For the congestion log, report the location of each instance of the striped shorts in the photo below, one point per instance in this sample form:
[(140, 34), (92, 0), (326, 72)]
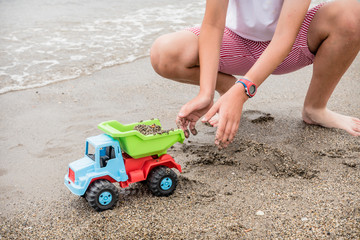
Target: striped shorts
[(238, 54)]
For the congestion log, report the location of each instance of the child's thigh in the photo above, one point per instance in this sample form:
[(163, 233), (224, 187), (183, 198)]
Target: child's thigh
[(300, 55), (237, 54)]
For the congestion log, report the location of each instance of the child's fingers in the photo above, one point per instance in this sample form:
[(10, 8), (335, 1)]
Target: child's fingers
[(177, 121), (186, 130), (220, 131), (233, 132), (226, 134), (186, 133), (227, 130), (231, 136), (212, 111), (192, 128), (182, 124)]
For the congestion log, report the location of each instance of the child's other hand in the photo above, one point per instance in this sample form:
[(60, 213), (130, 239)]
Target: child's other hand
[(191, 112), (229, 108)]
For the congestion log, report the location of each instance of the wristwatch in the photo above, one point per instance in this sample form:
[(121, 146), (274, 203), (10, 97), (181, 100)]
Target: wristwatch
[(250, 87)]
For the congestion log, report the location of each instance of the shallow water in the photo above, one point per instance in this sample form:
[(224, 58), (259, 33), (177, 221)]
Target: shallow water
[(45, 41)]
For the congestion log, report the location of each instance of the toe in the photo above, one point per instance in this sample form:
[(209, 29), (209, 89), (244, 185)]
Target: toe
[(356, 120)]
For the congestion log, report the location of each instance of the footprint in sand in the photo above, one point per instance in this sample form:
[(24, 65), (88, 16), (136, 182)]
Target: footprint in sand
[(256, 116)]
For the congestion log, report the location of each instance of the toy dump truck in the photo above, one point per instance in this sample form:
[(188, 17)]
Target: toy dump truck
[(126, 156)]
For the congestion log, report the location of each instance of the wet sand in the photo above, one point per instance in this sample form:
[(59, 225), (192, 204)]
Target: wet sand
[(280, 179)]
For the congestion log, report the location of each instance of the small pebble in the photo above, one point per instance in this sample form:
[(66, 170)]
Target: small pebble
[(260, 213), (304, 219)]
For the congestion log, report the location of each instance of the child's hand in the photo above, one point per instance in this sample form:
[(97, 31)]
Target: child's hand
[(229, 107), (191, 112)]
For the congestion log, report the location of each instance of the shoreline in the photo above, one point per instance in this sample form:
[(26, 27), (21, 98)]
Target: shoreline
[(304, 179), (40, 85)]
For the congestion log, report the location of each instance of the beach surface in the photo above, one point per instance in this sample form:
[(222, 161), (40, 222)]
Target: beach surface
[(280, 179)]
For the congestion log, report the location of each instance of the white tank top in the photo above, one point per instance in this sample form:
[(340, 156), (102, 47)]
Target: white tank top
[(253, 19)]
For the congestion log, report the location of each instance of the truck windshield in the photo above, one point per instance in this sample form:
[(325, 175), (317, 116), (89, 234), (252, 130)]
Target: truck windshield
[(90, 151)]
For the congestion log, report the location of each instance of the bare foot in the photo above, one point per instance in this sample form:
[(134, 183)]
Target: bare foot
[(330, 119)]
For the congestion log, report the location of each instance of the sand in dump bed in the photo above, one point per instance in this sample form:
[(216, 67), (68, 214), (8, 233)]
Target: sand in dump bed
[(151, 129), (279, 179)]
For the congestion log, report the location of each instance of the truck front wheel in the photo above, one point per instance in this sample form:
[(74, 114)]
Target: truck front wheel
[(162, 181), (102, 195)]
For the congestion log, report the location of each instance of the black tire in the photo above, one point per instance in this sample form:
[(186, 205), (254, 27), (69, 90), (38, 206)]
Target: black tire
[(162, 181), (102, 195)]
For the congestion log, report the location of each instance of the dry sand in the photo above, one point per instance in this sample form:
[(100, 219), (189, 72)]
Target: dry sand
[(280, 179)]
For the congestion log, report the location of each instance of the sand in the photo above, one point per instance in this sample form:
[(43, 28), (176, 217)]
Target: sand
[(280, 179)]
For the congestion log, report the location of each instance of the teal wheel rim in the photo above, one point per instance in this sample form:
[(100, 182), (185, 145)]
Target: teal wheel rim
[(105, 198), (166, 183)]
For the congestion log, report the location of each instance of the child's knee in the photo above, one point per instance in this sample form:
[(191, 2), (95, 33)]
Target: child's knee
[(160, 54), (155, 53), (350, 26), (172, 52), (347, 19)]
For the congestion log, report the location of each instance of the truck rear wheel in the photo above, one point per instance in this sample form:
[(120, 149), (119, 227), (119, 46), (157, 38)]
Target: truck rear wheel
[(102, 195), (162, 181)]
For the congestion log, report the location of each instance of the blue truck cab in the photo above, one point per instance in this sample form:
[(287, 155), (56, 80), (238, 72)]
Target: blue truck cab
[(103, 157)]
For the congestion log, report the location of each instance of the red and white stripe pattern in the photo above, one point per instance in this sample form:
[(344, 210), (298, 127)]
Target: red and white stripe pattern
[(238, 54)]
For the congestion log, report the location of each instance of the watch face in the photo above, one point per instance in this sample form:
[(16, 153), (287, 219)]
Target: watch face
[(252, 89)]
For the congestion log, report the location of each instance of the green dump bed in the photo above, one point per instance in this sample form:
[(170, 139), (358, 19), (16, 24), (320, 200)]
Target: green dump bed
[(138, 145)]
